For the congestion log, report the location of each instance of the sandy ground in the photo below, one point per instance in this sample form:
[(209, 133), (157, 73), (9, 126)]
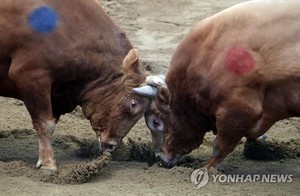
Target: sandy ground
[(155, 28)]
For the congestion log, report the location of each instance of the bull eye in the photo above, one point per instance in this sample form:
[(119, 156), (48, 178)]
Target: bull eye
[(156, 123), (133, 103)]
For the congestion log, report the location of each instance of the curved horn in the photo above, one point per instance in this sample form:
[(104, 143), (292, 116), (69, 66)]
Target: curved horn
[(156, 81), (147, 91)]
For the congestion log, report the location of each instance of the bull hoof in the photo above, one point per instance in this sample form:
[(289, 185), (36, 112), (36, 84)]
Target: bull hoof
[(49, 165), (263, 137), (215, 171), (49, 168), (126, 142)]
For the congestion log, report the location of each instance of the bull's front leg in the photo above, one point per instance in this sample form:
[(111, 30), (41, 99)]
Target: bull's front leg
[(223, 145), (39, 107), (34, 86), (45, 129), (233, 122)]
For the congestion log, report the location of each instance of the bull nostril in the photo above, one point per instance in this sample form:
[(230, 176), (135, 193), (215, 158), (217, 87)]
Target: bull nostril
[(111, 147), (108, 146), (157, 156), (165, 164)]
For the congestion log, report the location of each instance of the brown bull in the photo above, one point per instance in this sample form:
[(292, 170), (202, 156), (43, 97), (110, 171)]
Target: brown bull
[(235, 73), (55, 55)]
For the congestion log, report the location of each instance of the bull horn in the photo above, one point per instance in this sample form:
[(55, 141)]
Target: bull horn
[(147, 91), (156, 81)]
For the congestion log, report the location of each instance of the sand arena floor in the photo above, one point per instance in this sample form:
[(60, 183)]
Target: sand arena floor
[(154, 28)]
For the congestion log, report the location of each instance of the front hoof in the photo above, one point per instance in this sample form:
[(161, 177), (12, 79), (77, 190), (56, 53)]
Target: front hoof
[(39, 163), (126, 142), (215, 171), (47, 165)]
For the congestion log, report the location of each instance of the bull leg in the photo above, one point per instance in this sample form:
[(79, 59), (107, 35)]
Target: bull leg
[(43, 121), (45, 130), (233, 122), (229, 136), (261, 127), (223, 145), (46, 156), (44, 124), (35, 90)]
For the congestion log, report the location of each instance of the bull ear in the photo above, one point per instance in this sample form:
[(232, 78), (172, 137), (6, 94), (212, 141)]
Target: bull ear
[(163, 96), (135, 74), (130, 62), (163, 100)]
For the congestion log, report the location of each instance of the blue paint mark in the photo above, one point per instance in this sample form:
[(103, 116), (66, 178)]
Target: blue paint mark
[(43, 19)]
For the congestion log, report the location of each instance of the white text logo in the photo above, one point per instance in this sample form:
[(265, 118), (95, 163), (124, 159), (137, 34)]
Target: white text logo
[(200, 177)]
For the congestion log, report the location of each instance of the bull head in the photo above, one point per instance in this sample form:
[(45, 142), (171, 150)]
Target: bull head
[(160, 121), (111, 105)]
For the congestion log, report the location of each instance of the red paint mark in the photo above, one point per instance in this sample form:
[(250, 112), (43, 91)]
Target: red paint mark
[(239, 60)]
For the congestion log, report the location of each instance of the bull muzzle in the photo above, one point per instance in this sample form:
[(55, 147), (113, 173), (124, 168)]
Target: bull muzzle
[(106, 146), (166, 160)]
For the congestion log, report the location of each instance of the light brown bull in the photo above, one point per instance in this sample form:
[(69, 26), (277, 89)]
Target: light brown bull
[(56, 54), (235, 73)]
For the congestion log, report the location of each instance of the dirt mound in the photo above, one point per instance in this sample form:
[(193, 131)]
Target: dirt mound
[(134, 151), (78, 158), (271, 149), (75, 173), (19, 150)]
